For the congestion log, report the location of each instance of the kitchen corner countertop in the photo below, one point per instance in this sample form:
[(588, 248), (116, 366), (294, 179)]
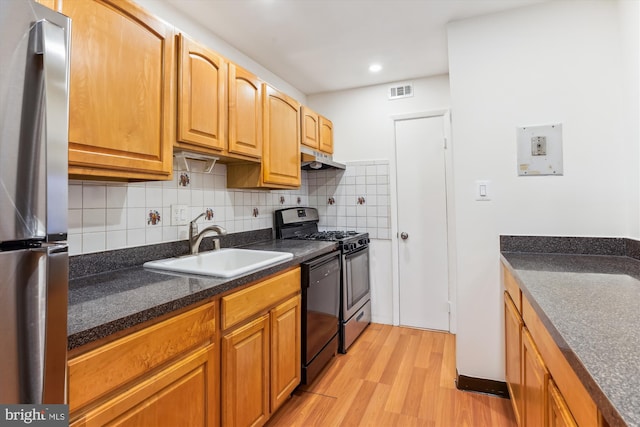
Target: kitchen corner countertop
[(106, 303), (590, 304)]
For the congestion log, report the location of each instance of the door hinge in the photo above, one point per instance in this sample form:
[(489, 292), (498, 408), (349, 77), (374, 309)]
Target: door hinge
[(445, 143), (448, 306)]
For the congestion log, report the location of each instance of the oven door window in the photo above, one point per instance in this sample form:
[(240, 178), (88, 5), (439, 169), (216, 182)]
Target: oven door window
[(356, 276)]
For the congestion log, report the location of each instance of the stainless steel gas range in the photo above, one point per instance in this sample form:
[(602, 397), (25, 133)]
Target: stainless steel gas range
[(355, 289)]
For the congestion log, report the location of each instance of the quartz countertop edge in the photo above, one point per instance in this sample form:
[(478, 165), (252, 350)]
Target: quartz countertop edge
[(103, 304), (607, 407)]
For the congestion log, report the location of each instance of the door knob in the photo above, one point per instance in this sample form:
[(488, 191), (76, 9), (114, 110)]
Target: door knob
[(404, 236)]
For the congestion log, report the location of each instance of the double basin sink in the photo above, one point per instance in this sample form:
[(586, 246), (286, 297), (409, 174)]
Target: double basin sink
[(225, 263)]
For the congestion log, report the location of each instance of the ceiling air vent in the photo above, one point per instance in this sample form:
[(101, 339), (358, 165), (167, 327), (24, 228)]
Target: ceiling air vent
[(404, 90)]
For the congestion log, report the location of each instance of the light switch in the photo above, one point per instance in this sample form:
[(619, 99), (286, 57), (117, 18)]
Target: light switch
[(483, 190)]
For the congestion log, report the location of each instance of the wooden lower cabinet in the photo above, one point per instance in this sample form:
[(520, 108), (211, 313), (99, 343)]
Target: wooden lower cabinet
[(261, 355), (544, 389), (164, 374), (534, 383), (285, 350), (245, 370), (513, 355), (184, 393), (261, 365), (559, 414), (194, 368)]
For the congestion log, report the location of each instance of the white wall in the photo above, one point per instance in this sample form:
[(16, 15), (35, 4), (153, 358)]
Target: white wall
[(629, 12), (548, 63), (362, 123), (204, 36), (364, 130)]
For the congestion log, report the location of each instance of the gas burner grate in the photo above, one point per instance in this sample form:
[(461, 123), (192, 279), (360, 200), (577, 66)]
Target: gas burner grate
[(328, 235)]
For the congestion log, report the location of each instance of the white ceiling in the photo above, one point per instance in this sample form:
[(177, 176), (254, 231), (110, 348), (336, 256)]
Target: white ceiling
[(327, 45)]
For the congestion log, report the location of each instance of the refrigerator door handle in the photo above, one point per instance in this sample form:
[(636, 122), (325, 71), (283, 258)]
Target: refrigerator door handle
[(47, 349), (52, 43)]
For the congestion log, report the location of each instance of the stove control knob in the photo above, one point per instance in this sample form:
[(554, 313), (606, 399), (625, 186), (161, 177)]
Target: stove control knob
[(352, 246)]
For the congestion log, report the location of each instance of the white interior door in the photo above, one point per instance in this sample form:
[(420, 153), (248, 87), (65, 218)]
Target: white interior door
[(422, 223)]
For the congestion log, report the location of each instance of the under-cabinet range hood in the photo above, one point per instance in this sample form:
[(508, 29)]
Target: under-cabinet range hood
[(316, 160)]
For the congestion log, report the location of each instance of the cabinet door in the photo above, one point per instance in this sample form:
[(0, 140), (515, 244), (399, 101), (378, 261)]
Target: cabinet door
[(310, 128), (245, 112), (281, 152), (559, 414), (51, 4), (513, 345), (201, 97), (326, 135), (534, 379), (245, 375), (184, 393), (285, 351), (121, 119)]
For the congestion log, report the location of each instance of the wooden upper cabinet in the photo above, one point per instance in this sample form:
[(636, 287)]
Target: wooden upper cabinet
[(317, 131), (310, 128), (281, 151), (121, 92), (201, 97), (326, 135), (245, 112)]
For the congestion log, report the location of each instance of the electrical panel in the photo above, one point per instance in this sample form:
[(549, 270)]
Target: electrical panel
[(540, 150)]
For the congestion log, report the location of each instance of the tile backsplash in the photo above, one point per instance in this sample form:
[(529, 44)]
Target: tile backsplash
[(106, 215)]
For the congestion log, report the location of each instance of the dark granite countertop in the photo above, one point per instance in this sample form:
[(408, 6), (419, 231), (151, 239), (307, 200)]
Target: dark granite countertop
[(108, 302), (590, 306)]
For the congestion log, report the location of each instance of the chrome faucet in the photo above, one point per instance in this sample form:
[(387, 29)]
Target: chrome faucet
[(195, 238)]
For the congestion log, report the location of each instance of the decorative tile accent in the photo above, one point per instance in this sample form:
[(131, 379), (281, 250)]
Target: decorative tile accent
[(183, 179), (153, 218), (208, 214)]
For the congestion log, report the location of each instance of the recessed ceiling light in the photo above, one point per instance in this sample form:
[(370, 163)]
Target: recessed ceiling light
[(374, 68)]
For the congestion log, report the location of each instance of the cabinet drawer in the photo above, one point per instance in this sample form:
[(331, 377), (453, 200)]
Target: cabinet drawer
[(182, 394), (243, 304), (580, 403), (103, 369), (511, 286)]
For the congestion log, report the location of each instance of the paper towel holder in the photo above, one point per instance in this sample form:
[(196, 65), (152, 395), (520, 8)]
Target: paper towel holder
[(183, 158)]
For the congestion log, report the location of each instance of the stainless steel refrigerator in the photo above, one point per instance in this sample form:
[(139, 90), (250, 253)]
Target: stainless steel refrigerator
[(34, 117)]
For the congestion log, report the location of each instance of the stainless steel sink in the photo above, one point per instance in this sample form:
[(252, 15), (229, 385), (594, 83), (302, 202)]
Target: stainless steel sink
[(229, 262)]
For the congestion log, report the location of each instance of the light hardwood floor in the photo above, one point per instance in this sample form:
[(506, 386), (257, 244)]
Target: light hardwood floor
[(393, 376)]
